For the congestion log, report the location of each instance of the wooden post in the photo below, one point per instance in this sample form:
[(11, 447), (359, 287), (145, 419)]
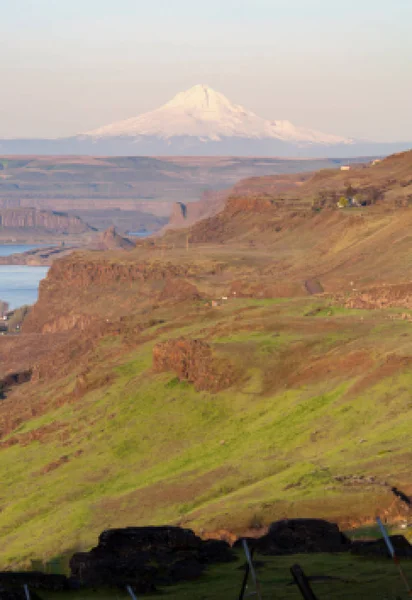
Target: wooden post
[(252, 571), (246, 576), (131, 592), (392, 552), (303, 583)]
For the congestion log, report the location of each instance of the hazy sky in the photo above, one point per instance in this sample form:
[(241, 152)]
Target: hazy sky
[(343, 67)]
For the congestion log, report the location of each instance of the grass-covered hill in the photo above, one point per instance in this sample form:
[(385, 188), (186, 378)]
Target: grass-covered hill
[(269, 403)]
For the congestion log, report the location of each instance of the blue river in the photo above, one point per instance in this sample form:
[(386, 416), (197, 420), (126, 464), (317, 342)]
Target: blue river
[(19, 284)]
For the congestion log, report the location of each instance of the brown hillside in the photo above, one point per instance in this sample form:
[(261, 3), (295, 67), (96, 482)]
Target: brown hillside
[(218, 376), (211, 203), (301, 234)]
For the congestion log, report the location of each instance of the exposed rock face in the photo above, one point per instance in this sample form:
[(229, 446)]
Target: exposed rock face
[(13, 379), (111, 240), (193, 361), (31, 218), (178, 216), (156, 280), (256, 204), (384, 296), (83, 273), (298, 536), (313, 286), (187, 214), (377, 548), (144, 557), (179, 290), (37, 256), (241, 215)]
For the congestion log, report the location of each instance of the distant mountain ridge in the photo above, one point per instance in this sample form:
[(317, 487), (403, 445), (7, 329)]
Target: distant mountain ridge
[(203, 122)]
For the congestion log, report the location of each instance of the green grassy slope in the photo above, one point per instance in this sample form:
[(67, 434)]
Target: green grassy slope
[(317, 398)]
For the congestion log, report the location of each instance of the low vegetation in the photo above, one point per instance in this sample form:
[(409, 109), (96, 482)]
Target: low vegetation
[(337, 577), (316, 400), (316, 422)]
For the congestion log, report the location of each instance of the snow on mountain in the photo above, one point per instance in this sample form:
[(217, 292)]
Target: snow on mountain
[(203, 113)]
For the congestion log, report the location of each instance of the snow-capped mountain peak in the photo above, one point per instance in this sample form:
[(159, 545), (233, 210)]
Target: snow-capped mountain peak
[(200, 97), (201, 112)]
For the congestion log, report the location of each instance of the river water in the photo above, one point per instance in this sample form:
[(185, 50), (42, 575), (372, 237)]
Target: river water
[(19, 284)]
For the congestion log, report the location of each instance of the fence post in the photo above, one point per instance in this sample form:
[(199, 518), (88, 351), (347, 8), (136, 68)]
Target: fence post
[(246, 577), (303, 583), (252, 571), (131, 592), (392, 552)]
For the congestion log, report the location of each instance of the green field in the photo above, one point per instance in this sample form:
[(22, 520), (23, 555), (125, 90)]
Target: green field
[(315, 399), (350, 578)]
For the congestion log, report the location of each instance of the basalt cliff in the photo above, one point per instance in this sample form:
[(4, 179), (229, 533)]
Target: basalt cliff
[(41, 220)]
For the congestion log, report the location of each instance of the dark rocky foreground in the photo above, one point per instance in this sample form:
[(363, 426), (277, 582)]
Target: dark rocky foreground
[(12, 585), (377, 548), (144, 557), (147, 557), (299, 536)]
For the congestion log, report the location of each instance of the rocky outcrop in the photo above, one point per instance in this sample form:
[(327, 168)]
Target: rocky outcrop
[(193, 361), (187, 214), (385, 296), (34, 219), (12, 379), (179, 290), (38, 256), (144, 557), (111, 240), (299, 536), (81, 272), (243, 217), (72, 277), (313, 286), (256, 204), (378, 548), (247, 195)]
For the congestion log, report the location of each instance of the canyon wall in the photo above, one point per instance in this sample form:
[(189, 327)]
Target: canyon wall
[(33, 219), (187, 214)]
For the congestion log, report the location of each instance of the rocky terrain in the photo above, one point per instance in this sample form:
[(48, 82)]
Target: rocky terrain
[(211, 203), (187, 214), (111, 240), (251, 368), (131, 193), (31, 218), (42, 256), (45, 256), (164, 560)]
